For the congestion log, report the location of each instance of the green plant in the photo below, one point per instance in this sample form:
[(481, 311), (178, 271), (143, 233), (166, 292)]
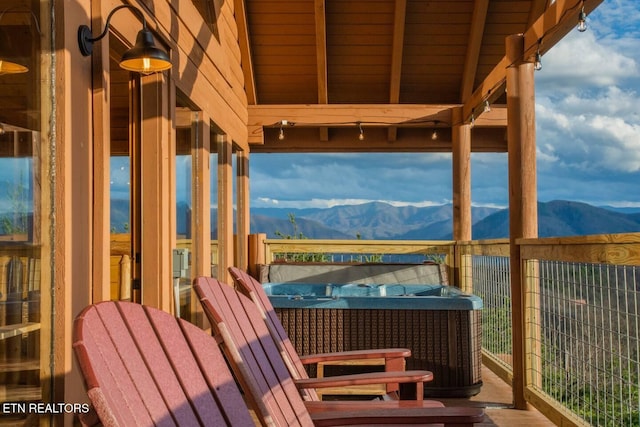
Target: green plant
[(297, 256), (437, 258), (496, 333)]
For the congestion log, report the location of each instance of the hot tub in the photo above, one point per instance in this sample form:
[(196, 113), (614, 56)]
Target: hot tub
[(440, 324)]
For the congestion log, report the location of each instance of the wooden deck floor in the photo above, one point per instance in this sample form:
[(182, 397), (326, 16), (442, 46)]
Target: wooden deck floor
[(495, 397)]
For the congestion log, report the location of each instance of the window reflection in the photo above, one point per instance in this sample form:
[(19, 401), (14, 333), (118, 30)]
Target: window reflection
[(22, 116), (186, 142)]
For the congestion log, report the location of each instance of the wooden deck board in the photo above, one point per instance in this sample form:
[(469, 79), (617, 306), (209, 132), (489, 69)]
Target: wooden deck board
[(495, 396)]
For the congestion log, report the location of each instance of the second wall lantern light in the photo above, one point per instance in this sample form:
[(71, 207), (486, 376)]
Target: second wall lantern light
[(143, 58)]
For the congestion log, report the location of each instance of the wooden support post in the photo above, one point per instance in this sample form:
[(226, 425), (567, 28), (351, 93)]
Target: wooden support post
[(101, 120), (461, 139), (225, 208), (156, 199), (242, 209), (256, 254), (523, 215), (201, 220)]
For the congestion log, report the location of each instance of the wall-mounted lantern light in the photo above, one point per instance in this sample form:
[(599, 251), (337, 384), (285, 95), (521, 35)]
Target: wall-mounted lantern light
[(10, 67), (143, 58)]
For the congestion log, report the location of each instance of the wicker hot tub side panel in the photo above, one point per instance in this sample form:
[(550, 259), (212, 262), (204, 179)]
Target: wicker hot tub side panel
[(446, 342)]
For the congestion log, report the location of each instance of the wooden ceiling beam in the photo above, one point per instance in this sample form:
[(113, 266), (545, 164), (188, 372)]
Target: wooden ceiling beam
[(321, 58), (371, 116), (301, 140), (344, 115), (396, 58), (245, 51), (478, 22), (537, 8), (559, 18), (321, 50)]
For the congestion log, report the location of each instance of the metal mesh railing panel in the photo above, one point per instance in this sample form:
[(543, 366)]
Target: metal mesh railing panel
[(491, 282), (584, 349)]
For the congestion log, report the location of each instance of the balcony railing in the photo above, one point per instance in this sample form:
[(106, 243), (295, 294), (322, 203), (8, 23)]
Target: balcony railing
[(581, 299)]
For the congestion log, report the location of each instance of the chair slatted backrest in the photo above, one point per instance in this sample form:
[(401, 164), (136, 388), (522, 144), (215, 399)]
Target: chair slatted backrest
[(144, 367), (253, 354), (253, 289)]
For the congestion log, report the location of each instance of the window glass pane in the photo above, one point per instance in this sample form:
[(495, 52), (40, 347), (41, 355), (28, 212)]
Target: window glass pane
[(185, 138), (25, 234)]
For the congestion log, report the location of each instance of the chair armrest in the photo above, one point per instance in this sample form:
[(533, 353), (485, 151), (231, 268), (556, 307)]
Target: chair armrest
[(417, 377), (383, 353), (315, 406)]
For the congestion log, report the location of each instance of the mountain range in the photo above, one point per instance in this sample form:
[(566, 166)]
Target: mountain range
[(377, 220)]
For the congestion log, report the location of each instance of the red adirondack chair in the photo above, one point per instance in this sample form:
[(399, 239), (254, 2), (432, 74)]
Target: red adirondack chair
[(143, 367), (258, 365), (394, 358)]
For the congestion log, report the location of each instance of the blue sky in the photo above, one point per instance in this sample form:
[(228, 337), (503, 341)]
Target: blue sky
[(588, 138)]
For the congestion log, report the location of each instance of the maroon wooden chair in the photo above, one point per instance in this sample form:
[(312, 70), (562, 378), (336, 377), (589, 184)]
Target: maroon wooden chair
[(144, 367), (258, 365), (394, 358)]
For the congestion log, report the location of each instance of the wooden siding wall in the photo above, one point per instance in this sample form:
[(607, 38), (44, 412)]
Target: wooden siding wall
[(206, 69)]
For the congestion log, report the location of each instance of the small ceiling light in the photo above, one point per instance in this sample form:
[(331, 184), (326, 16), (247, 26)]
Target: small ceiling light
[(487, 106), (582, 20), (434, 133), (143, 58), (9, 67), (537, 65), (472, 121), (361, 136), (281, 134)]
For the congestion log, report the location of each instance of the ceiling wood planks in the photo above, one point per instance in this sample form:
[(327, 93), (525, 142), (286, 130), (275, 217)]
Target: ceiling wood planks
[(334, 65)]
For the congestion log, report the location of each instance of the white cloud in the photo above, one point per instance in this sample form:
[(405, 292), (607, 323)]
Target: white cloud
[(328, 203), (605, 55)]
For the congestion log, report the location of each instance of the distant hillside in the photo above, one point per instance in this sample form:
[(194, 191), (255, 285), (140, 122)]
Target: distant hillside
[(377, 220), (627, 210), (383, 221), (562, 218), (309, 228)]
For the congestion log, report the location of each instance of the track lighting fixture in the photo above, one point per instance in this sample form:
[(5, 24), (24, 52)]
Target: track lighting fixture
[(143, 58), (582, 20), (487, 106), (361, 135), (472, 121)]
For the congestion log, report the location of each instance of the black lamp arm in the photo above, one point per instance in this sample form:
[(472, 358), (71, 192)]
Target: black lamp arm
[(84, 32)]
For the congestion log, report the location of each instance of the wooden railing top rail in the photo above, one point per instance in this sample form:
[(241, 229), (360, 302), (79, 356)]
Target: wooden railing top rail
[(598, 251), (493, 247), (357, 246), (484, 242), (583, 240)]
